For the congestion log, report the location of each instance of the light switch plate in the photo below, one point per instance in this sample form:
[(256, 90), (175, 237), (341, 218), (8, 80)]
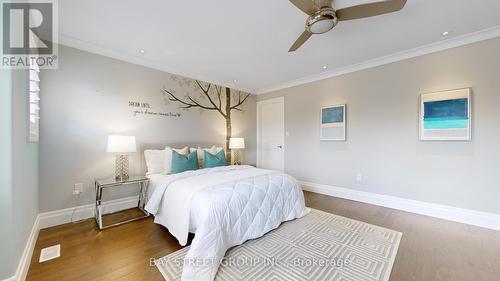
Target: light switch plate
[(50, 253), (78, 188), (359, 177)]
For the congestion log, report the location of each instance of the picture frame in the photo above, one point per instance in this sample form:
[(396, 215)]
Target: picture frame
[(446, 116), (333, 123)]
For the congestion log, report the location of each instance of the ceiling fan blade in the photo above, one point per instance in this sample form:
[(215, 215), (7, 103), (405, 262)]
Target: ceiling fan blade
[(301, 40), (307, 6), (370, 9)]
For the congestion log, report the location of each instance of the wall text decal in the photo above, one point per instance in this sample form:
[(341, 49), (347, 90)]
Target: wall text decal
[(144, 108)]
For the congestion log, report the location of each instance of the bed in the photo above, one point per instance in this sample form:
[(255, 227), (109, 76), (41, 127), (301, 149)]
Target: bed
[(223, 207)]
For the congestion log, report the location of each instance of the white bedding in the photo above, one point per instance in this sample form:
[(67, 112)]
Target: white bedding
[(162, 181), (155, 181), (224, 207)]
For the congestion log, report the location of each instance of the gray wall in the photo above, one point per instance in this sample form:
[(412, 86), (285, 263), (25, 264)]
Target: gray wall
[(382, 131), (25, 166), (19, 171), (6, 263), (86, 100)]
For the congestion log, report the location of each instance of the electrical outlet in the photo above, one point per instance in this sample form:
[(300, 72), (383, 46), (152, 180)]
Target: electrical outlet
[(78, 189), (359, 177)]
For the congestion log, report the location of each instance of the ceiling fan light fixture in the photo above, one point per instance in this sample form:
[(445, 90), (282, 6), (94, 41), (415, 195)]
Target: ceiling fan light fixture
[(323, 21), (321, 26), (322, 16)]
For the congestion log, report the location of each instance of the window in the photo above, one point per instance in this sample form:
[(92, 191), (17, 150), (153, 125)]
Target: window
[(34, 103)]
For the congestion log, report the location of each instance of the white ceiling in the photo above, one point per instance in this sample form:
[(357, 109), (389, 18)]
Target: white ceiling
[(224, 41)]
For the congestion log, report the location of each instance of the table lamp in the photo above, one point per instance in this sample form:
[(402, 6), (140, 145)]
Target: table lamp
[(237, 144), (121, 145)]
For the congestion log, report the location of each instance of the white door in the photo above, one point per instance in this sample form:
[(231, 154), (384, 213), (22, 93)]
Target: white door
[(271, 134)]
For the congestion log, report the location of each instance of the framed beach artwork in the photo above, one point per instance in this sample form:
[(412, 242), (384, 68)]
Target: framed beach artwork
[(333, 123), (446, 116)]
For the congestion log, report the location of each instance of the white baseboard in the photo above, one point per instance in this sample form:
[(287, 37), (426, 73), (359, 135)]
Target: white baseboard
[(482, 219), (58, 217), (53, 218), (24, 262)]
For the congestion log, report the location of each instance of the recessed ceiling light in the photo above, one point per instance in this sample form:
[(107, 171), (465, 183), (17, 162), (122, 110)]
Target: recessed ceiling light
[(445, 33), (325, 67), (142, 51)]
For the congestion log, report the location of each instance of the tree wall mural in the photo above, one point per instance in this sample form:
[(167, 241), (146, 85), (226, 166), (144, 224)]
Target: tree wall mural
[(208, 97)]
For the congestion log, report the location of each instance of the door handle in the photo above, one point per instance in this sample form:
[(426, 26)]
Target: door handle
[(280, 146)]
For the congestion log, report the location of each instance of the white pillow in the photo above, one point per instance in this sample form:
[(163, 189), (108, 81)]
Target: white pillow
[(168, 157), (155, 160), (201, 153)]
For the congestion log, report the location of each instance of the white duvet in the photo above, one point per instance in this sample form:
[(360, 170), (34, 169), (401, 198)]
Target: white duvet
[(224, 207)]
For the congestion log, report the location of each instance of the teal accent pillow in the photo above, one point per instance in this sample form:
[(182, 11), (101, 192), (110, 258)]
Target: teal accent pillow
[(216, 160), (181, 163)]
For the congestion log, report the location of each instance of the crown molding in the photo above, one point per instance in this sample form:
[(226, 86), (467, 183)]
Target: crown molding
[(466, 39), (107, 52)]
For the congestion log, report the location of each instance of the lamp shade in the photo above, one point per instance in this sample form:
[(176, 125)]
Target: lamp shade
[(236, 143), (121, 144)]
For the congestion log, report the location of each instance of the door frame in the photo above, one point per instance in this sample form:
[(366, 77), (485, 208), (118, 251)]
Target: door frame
[(259, 144)]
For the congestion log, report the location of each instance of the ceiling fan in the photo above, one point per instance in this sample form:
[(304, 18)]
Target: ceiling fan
[(323, 17)]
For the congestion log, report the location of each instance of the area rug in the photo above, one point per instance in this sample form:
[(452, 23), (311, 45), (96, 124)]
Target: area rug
[(319, 246)]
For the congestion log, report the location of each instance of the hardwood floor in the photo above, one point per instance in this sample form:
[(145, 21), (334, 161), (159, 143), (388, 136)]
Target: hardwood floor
[(431, 249)]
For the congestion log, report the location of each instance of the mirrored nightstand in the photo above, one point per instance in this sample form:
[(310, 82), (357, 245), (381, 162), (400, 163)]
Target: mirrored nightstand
[(111, 183)]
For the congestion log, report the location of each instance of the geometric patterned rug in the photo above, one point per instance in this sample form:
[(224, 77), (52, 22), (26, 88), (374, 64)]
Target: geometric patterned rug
[(319, 246)]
